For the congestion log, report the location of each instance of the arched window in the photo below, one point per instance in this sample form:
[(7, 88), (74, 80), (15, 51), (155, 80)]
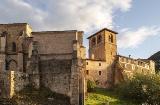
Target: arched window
[(99, 39), (93, 42), (13, 47), (12, 65)]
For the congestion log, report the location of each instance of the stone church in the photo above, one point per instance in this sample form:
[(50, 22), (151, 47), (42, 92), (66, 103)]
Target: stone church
[(57, 60)]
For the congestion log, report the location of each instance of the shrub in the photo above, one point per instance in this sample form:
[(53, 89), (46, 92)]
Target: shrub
[(141, 89), (90, 85)]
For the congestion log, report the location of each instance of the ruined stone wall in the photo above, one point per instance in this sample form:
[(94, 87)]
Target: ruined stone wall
[(5, 84), (55, 42), (20, 80), (97, 71), (56, 74), (13, 33), (11, 82)]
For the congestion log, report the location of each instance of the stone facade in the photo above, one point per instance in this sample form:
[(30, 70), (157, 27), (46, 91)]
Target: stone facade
[(57, 60), (50, 58), (126, 66), (107, 68), (11, 82), (102, 48)]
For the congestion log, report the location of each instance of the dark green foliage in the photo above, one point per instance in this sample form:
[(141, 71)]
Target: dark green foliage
[(90, 85), (141, 89)]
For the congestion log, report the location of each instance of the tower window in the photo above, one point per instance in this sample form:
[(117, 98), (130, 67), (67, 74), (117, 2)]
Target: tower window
[(100, 72), (13, 47), (93, 42), (99, 64), (111, 38), (87, 72), (99, 39)]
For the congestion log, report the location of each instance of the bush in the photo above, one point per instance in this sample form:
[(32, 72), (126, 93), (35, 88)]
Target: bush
[(90, 85), (141, 89)]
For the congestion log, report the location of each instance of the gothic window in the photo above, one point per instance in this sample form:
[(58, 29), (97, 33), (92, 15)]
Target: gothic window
[(12, 65), (93, 42), (13, 47), (99, 39)]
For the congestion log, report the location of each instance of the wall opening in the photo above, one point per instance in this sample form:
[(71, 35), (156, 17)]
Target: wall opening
[(93, 42), (99, 39), (14, 47)]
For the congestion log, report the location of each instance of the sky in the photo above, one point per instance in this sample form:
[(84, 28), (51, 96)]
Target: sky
[(136, 21)]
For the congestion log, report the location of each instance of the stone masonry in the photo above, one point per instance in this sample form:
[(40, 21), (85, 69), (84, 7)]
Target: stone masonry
[(57, 60)]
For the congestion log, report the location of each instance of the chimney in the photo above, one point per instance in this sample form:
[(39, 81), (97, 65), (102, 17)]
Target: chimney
[(129, 56)]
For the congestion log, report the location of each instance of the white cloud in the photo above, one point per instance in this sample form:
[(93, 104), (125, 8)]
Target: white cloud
[(86, 15), (132, 38)]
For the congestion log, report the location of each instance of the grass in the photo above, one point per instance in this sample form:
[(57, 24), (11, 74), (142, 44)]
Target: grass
[(40, 96), (100, 96)]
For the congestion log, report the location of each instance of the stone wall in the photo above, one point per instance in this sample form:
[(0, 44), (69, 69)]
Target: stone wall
[(5, 83), (56, 74), (97, 51), (97, 71), (55, 42), (11, 82), (131, 65)]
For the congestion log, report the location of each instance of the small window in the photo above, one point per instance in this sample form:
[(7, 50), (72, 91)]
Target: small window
[(100, 72), (87, 72), (99, 64), (13, 47), (99, 39), (125, 65), (87, 63), (93, 42), (142, 70), (133, 67), (111, 38)]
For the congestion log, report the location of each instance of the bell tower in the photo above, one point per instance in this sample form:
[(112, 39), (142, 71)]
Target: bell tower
[(103, 45)]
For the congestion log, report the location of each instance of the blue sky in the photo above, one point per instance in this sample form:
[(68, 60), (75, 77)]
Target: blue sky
[(136, 21)]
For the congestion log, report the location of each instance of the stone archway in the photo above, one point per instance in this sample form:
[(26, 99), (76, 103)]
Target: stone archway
[(12, 65)]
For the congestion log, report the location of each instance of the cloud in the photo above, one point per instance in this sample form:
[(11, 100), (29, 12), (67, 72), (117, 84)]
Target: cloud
[(85, 15), (133, 38)]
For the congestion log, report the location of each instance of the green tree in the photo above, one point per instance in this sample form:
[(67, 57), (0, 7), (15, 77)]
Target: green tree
[(141, 88), (90, 85)]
